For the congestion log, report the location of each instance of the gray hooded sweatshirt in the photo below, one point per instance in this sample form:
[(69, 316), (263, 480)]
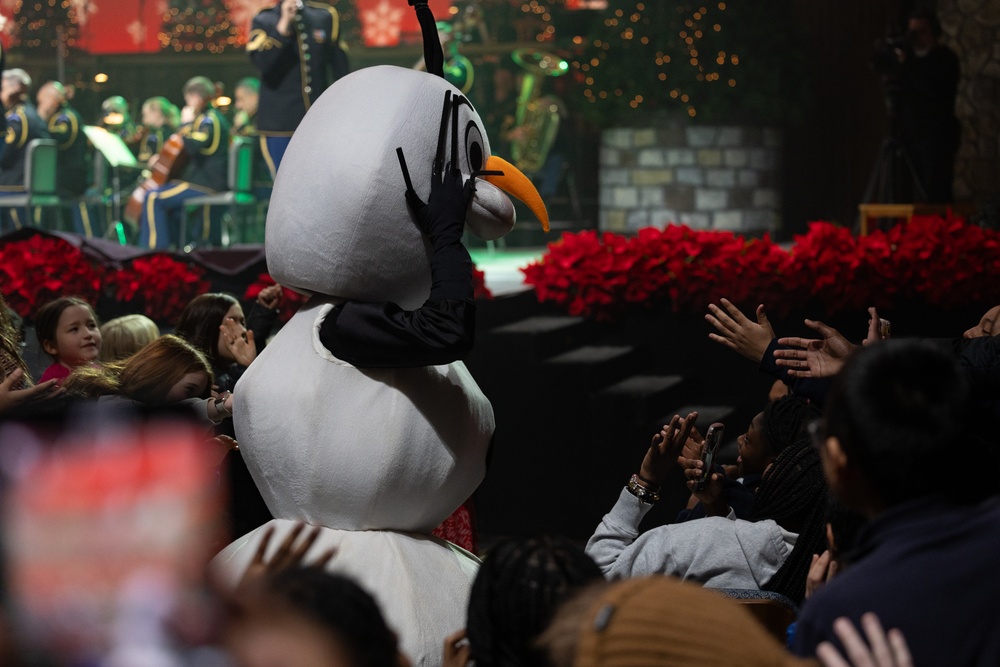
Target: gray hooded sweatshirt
[(717, 552)]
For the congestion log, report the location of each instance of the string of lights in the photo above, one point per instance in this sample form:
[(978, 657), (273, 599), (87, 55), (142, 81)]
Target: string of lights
[(671, 54), (199, 25), (39, 23), (702, 59)]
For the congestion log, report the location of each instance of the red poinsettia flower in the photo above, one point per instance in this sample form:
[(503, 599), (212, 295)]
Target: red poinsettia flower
[(160, 284), (942, 261), (41, 268)]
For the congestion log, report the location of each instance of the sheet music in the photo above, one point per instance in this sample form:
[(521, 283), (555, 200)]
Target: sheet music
[(111, 147)]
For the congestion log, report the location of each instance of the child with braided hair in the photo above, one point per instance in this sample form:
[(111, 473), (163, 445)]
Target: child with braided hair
[(771, 551), (795, 498), (769, 432), (517, 590)]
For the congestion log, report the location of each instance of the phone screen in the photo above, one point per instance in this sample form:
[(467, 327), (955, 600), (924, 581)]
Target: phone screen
[(712, 439)]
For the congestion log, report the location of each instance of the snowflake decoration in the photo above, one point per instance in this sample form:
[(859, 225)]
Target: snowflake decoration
[(83, 9), (5, 25), (137, 30), (382, 24)]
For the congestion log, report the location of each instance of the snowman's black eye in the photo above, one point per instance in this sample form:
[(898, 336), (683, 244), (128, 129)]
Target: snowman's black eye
[(474, 147)]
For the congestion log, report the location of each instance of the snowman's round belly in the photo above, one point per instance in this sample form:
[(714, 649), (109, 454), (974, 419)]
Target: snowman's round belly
[(358, 449), (421, 583)]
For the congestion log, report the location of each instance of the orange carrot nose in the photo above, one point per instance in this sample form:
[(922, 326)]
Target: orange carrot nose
[(516, 184)]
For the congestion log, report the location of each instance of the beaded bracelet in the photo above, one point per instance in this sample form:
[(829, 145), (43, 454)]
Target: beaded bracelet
[(645, 495)]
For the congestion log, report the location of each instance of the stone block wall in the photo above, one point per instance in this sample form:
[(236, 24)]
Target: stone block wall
[(972, 29), (706, 177)]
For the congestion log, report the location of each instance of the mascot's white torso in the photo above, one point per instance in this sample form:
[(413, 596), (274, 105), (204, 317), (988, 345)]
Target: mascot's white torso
[(378, 457)]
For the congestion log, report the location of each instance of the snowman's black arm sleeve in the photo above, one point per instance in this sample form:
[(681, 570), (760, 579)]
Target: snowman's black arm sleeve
[(383, 335)]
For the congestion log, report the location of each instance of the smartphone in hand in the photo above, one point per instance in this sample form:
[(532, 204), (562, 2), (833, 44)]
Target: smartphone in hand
[(712, 439)]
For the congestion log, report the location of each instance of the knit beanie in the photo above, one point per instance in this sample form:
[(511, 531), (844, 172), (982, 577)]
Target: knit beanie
[(660, 621)]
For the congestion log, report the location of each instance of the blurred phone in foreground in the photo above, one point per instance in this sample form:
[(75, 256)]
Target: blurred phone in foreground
[(105, 534), (712, 439)]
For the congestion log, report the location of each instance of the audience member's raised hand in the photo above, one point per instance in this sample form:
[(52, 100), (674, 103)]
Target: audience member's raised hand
[(11, 398), (665, 449), (239, 341), (288, 554), (882, 649), (738, 332), (823, 568), (814, 358), (270, 296), (694, 444), (219, 447), (875, 323), (710, 493), (456, 650)]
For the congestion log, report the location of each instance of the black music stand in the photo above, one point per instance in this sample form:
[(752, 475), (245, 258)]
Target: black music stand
[(117, 155)]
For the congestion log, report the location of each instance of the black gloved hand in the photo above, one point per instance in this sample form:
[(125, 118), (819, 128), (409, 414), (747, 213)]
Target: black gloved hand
[(442, 218)]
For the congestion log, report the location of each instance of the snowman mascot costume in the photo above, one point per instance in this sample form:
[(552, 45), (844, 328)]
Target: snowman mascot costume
[(359, 417)]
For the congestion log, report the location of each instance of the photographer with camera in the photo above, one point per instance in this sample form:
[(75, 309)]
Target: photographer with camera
[(926, 78)]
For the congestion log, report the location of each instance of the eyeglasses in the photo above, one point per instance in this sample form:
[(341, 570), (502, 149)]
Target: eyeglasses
[(817, 432)]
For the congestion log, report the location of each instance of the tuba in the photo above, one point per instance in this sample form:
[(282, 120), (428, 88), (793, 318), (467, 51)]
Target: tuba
[(537, 119)]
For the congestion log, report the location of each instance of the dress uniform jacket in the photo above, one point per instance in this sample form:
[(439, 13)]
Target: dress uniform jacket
[(23, 125), (66, 127), (153, 142), (294, 70), (206, 141)]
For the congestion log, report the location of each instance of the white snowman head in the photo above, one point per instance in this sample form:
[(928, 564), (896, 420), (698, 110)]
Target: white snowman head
[(338, 222)]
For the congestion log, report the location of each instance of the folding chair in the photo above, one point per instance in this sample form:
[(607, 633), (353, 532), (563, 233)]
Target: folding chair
[(40, 186), (240, 183), (772, 610)]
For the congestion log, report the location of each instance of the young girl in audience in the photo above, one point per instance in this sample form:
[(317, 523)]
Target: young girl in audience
[(215, 324), (169, 370), (68, 331), (124, 336)]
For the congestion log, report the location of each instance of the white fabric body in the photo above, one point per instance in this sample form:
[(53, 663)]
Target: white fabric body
[(338, 222), (358, 449), (421, 583), (369, 454)]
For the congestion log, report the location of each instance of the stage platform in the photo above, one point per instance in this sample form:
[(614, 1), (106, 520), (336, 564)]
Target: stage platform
[(503, 268)]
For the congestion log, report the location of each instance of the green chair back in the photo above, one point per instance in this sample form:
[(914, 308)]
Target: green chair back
[(41, 165)]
